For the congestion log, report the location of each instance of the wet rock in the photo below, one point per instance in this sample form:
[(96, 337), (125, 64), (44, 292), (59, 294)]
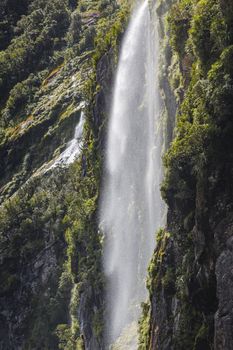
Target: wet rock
[(224, 315)]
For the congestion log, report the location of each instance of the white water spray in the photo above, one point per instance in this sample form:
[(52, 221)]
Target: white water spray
[(132, 208), (74, 147)]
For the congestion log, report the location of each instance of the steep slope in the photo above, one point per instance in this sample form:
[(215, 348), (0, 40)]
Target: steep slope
[(57, 62), (190, 275)]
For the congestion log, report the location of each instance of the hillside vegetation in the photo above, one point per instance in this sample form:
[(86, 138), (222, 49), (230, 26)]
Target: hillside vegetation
[(57, 59), (189, 278)]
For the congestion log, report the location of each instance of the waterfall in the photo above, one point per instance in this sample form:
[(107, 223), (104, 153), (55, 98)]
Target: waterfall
[(131, 205), (74, 147)]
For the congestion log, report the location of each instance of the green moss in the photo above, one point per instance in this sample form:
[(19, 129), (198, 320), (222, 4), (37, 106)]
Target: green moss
[(155, 274), (189, 322), (179, 19), (168, 281), (144, 327), (98, 323), (202, 338), (109, 33), (201, 78), (208, 31)]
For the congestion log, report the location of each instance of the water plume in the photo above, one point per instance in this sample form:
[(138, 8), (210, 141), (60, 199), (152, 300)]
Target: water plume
[(131, 207)]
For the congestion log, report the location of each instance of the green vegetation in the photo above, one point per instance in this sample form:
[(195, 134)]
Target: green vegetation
[(50, 244), (37, 33), (43, 40), (144, 327), (56, 55), (45, 95), (201, 76), (198, 121)]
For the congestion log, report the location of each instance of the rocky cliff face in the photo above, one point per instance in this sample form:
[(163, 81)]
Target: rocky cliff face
[(190, 273), (57, 60)]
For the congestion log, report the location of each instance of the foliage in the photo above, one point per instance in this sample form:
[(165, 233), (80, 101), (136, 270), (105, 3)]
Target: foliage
[(179, 24), (196, 121), (201, 72), (10, 13), (144, 327), (49, 228), (37, 34)]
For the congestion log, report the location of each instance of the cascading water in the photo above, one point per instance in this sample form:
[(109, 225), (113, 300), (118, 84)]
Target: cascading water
[(132, 209), (74, 147)]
